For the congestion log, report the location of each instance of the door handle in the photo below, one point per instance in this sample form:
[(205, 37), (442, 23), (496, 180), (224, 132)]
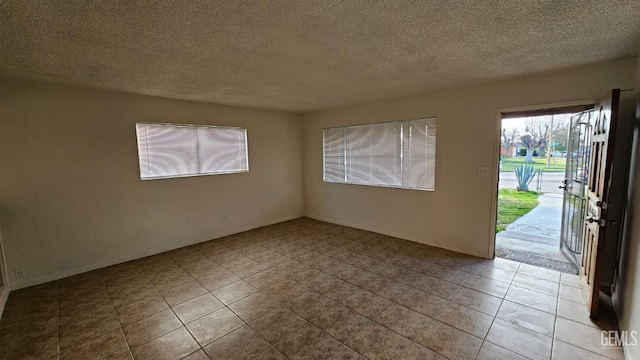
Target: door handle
[(562, 187), (601, 222)]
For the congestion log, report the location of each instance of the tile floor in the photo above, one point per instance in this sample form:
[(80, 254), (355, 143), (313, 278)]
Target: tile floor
[(304, 289)]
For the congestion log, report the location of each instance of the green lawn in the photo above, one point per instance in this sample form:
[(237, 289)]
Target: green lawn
[(513, 204), (539, 163)]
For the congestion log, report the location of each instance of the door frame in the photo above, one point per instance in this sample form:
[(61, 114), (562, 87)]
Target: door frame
[(4, 286), (500, 113)]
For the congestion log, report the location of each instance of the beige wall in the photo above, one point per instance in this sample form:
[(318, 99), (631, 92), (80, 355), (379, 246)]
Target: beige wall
[(627, 295), (71, 198), (459, 214)]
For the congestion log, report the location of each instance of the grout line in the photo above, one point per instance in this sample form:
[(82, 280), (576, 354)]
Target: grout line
[(290, 245), (116, 313)]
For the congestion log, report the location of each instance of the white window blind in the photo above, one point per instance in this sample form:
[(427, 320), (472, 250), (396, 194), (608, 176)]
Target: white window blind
[(394, 154), (168, 150)]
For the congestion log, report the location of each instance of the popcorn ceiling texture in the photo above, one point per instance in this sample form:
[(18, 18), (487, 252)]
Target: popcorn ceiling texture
[(305, 55)]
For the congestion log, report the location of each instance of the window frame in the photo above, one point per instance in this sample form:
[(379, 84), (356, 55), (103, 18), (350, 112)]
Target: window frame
[(402, 123), (175, 125)]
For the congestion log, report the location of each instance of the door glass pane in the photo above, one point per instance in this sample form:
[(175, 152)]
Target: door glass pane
[(575, 193)]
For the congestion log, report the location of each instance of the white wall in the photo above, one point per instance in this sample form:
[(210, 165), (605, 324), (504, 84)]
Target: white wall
[(626, 298), (459, 214), (71, 198)]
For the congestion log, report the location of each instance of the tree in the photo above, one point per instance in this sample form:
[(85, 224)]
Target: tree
[(539, 133), (530, 142), (560, 132), (509, 138), (538, 127)]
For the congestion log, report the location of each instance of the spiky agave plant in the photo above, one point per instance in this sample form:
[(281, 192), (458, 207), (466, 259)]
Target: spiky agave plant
[(524, 174)]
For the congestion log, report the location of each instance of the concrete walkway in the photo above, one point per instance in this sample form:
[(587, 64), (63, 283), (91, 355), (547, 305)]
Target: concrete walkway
[(542, 223), (536, 233)]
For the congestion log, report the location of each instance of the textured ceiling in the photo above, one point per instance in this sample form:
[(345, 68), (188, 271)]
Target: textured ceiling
[(305, 55)]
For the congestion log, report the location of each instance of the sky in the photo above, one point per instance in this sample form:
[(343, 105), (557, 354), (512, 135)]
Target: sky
[(519, 123)]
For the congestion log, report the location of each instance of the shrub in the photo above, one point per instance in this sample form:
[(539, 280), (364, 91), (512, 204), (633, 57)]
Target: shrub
[(524, 174)]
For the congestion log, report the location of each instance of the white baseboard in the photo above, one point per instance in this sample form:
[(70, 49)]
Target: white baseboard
[(398, 235), (155, 251), (80, 270)]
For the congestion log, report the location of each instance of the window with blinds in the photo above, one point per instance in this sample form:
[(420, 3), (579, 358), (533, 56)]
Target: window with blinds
[(393, 154), (171, 150)]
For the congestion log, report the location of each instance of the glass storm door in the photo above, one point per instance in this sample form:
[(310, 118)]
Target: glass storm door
[(575, 186)]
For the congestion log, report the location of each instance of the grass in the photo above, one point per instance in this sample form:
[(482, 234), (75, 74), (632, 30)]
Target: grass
[(513, 204), (539, 163)]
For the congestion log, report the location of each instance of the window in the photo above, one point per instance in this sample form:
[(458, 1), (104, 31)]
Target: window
[(169, 150), (394, 154)]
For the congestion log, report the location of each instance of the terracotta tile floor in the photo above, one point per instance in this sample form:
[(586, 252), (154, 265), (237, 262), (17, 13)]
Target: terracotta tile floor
[(304, 289)]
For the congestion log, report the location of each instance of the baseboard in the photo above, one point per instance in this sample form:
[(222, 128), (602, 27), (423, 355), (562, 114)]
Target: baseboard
[(4, 295), (397, 235), (618, 320), (80, 270)]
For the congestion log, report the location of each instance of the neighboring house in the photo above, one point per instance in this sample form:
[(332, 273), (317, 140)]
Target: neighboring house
[(511, 151)]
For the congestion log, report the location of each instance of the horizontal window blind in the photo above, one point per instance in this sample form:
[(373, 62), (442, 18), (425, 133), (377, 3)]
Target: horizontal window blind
[(394, 154), (166, 150), (334, 155), (373, 155)]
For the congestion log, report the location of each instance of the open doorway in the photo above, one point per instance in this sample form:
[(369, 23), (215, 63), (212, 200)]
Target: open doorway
[(541, 187)]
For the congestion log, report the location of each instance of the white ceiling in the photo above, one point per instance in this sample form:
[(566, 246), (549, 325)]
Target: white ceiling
[(305, 55)]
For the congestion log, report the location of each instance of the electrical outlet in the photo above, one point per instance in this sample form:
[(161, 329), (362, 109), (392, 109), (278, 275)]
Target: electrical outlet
[(374, 213), (19, 273), (483, 171), (225, 216)]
